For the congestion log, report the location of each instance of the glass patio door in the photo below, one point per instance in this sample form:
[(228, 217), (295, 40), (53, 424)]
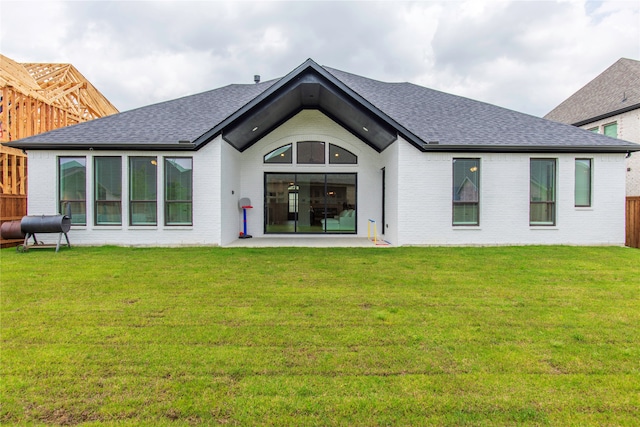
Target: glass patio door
[(310, 203)]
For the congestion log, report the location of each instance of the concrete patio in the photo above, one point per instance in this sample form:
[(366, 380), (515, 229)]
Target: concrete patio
[(307, 241)]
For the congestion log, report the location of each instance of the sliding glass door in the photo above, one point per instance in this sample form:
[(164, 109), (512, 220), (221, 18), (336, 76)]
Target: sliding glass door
[(310, 203)]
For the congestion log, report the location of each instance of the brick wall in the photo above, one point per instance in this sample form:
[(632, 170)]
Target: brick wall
[(425, 208), (418, 193)]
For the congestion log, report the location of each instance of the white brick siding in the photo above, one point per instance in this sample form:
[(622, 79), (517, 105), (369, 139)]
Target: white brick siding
[(418, 193), (43, 200), (425, 208)]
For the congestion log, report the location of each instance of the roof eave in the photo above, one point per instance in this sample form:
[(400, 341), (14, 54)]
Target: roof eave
[(180, 146), (529, 149), (607, 115)]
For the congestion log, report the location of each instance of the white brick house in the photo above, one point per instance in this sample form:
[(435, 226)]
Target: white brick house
[(321, 153)]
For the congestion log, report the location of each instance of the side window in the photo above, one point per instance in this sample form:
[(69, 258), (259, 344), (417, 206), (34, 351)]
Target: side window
[(466, 191), (583, 182), (72, 187), (611, 130), (542, 192), (143, 190), (178, 190), (108, 190)]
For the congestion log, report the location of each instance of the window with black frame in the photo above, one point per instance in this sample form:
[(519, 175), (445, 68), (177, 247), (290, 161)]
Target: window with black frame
[(178, 190), (466, 191), (143, 190), (542, 192), (582, 182), (72, 188), (108, 190)]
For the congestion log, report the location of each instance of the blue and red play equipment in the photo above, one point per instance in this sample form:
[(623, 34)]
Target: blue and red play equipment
[(244, 204)]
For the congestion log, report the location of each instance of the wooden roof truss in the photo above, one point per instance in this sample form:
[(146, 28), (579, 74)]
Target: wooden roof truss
[(39, 97)]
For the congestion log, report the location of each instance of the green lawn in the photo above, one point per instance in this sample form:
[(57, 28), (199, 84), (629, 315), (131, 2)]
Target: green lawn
[(322, 336)]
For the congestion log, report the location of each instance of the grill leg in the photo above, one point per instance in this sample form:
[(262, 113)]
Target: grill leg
[(59, 240)]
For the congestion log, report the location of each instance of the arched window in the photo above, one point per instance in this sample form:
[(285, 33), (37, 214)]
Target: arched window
[(279, 155), (340, 156)]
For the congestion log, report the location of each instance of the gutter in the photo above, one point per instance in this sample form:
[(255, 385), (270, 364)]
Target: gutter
[(181, 146), (437, 148)]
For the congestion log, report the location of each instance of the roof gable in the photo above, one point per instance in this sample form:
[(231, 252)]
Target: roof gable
[(309, 86), (614, 91)]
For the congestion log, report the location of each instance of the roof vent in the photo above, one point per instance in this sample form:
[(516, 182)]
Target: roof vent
[(256, 78), (184, 141), (433, 142)]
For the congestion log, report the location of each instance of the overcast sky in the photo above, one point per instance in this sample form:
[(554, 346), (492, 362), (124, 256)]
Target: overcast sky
[(524, 55)]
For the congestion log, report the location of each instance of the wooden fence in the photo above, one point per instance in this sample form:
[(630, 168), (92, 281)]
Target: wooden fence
[(632, 238), (13, 187), (12, 207)]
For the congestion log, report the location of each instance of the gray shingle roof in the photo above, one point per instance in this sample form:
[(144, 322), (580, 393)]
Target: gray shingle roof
[(457, 121), (615, 90), (418, 113), (165, 123)]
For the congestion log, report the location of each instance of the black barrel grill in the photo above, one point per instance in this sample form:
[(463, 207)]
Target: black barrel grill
[(32, 224)]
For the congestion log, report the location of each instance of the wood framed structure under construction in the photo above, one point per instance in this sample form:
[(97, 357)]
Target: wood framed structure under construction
[(37, 98)]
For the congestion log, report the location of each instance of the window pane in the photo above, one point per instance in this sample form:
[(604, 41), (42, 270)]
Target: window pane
[(310, 197), (583, 182), (108, 213), (178, 190), (542, 180), (143, 213), (281, 200), (108, 190), (280, 155), (542, 214), (143, 179), (311, 152), (72, 189), (341, 198), (466, 191), (611, 130), (338, 155), (465, 214), (542, 192), (179, 213)]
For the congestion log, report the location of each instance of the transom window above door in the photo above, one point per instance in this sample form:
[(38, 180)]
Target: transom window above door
[(311, 153)]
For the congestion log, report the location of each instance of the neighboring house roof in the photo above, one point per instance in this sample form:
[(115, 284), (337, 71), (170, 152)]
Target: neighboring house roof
[(615, 91), (372, 110)]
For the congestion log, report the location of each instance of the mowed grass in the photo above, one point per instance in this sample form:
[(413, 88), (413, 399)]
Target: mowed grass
[(321, 336)]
